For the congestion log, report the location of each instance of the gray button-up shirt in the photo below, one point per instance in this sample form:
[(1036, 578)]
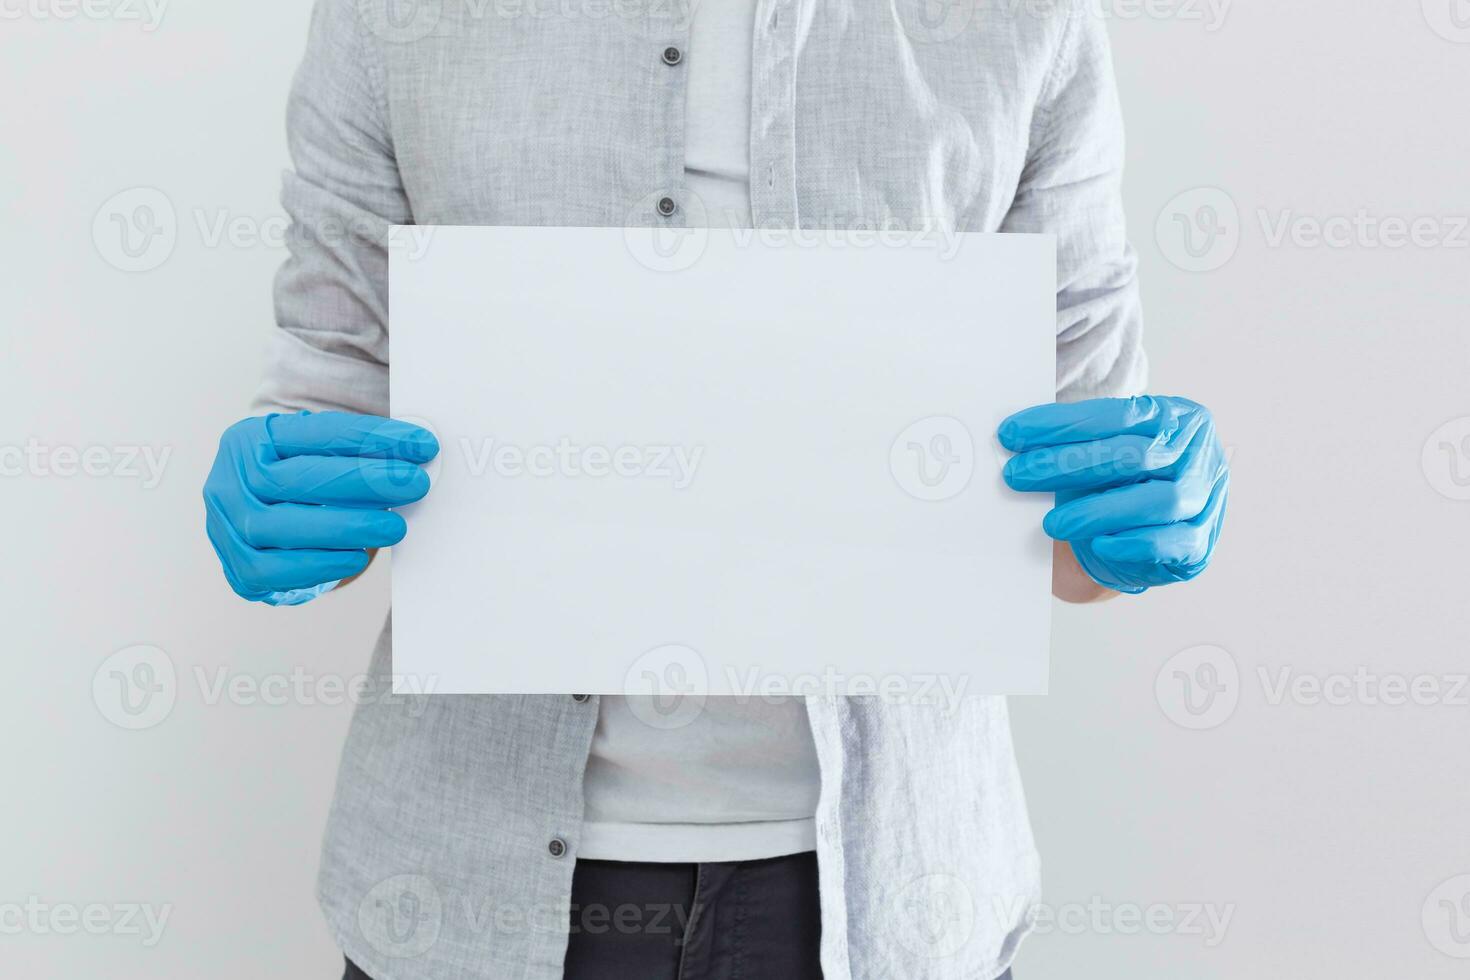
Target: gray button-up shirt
[(453, 836)]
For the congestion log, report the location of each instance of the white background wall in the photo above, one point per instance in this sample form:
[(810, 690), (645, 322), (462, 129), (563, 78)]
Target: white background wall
[(1325, 831)]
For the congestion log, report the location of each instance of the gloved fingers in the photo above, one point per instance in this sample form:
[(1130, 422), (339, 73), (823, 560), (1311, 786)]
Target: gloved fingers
[(347, 434), (289, 569), (1112, 462), (1146, 504), (256, 573), (1096, 418), (227, 548), (311, 526), (1182, 544), (337, 481), (1185, 546)]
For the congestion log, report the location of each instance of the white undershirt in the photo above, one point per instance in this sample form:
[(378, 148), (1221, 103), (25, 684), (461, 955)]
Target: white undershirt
[(717, 111), (740, 781)]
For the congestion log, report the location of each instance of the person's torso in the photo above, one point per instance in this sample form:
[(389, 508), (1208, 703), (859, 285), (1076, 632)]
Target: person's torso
[(905, 114), (862, 114)]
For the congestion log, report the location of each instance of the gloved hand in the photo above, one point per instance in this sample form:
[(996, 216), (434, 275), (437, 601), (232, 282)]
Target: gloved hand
[(1140, 484), (293, 501)]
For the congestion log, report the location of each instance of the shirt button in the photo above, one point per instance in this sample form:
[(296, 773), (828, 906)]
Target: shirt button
[(557, 847), (666, 206), (672, 56), (581, 698)]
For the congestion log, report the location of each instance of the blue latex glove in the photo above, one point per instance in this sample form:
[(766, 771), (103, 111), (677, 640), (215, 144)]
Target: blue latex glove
[(294, 501), (1140, 484)]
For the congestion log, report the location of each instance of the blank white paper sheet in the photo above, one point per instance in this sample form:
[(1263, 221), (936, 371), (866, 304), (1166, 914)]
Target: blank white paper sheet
[(720, 462)]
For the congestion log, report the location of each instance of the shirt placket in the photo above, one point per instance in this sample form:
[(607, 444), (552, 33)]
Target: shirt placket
[(667, 34), (773, 115), (563, 733)]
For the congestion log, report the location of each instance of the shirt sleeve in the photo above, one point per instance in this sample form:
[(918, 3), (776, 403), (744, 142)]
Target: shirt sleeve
[(1071, 188), (342, 196)]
